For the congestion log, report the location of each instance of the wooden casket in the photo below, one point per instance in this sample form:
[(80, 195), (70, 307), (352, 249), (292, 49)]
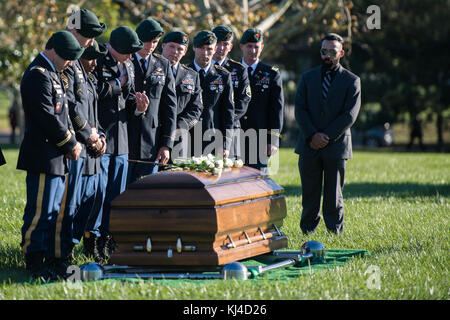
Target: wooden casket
[(188, 218)]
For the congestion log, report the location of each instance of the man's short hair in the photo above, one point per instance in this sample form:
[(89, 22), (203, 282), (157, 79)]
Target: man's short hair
[(332, 37)]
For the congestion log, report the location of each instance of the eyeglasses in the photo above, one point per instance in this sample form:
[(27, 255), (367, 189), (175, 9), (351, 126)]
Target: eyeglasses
[(331, 52)]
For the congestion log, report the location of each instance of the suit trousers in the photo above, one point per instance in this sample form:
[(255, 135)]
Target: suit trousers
[(317, 172)]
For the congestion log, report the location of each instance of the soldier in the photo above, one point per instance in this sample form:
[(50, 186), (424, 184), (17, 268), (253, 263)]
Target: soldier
[(217, 96), (118, 100), (187, 84), (85, 225), (47, 144), (151, 134), (84, 25), (239, 77), (265, 111)]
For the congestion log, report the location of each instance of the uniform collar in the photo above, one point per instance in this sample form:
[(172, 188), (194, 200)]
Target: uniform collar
[(254, 65), (198, 68), (49, 62)]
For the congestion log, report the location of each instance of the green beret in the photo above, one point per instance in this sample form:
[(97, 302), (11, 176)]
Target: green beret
[(177, 37), (125, 41), (204, 37), (223, 33), (251, 35), (66, 45), (149, 30), (87, 24), (95, 51)]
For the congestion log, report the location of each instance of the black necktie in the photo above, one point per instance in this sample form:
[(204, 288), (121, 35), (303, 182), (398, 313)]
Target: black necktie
[(202, 74), (144, 69), (250, 69), (326, 84)]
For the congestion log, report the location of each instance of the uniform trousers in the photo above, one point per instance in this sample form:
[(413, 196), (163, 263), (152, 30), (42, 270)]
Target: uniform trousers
[(45, 196), (317, 171), (85, 219), (113, 180), (136, 170)]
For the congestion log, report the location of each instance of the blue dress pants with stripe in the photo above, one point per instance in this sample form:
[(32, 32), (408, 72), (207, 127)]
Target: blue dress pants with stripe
[(113, 181), (45, 194), (81, 221)]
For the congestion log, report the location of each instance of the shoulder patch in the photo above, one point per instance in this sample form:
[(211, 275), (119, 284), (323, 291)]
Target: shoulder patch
[(237, 62), (221, 69), (274, 68), (41, 69)]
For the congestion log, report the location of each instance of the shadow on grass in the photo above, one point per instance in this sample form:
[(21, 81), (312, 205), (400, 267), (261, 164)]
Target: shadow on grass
[(399, 190), (12, 266)]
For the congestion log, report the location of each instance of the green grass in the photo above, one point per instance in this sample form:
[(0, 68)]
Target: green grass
[(396, 206)]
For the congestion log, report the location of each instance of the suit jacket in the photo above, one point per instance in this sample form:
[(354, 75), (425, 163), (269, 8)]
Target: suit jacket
[(333, 117), (115, 103), (241, 88), (48, 135), (189, 97), (218, 105), (154, 129), (265, 110)]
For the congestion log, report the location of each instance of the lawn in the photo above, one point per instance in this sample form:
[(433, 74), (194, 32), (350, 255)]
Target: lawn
[(396, 206)]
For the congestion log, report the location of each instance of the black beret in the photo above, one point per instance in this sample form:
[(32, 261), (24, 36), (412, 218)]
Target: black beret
[(96, 51), (251, 35), (66, 45), (125, 41), (149, 30), (223, 33), (87, 24), (204, 37), (177, 37)]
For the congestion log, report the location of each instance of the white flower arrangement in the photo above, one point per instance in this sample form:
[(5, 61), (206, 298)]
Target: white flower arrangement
[(207, 163)]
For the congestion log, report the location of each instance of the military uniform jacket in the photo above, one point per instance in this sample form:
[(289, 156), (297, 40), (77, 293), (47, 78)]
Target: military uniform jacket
[(189, 99), (115, 104), (48, 134), (334, 116), (155, 128), (241, 88), (82, 97), (265, 110), (218, 105)]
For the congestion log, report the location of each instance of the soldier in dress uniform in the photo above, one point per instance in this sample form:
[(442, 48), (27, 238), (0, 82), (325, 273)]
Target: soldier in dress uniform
[(188, 89), (151, 134), (84, 25), (265, 111), (118, 100), (217, 96), (48, 143), (239, 77), (85, 224)]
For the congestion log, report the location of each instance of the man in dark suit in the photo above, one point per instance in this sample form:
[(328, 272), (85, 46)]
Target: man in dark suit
[(118, 100), (265, 111), (188, 89), (47, 144), (151, 134), (217, 118), (326, 106), (239, 77)]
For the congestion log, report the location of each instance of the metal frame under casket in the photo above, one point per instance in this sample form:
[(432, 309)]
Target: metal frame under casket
[(188, 218)]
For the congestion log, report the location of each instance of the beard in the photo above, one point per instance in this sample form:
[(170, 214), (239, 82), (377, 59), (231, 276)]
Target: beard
[(327, 64)]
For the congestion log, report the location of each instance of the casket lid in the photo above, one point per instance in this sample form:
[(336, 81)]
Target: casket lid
[(194, 179)]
